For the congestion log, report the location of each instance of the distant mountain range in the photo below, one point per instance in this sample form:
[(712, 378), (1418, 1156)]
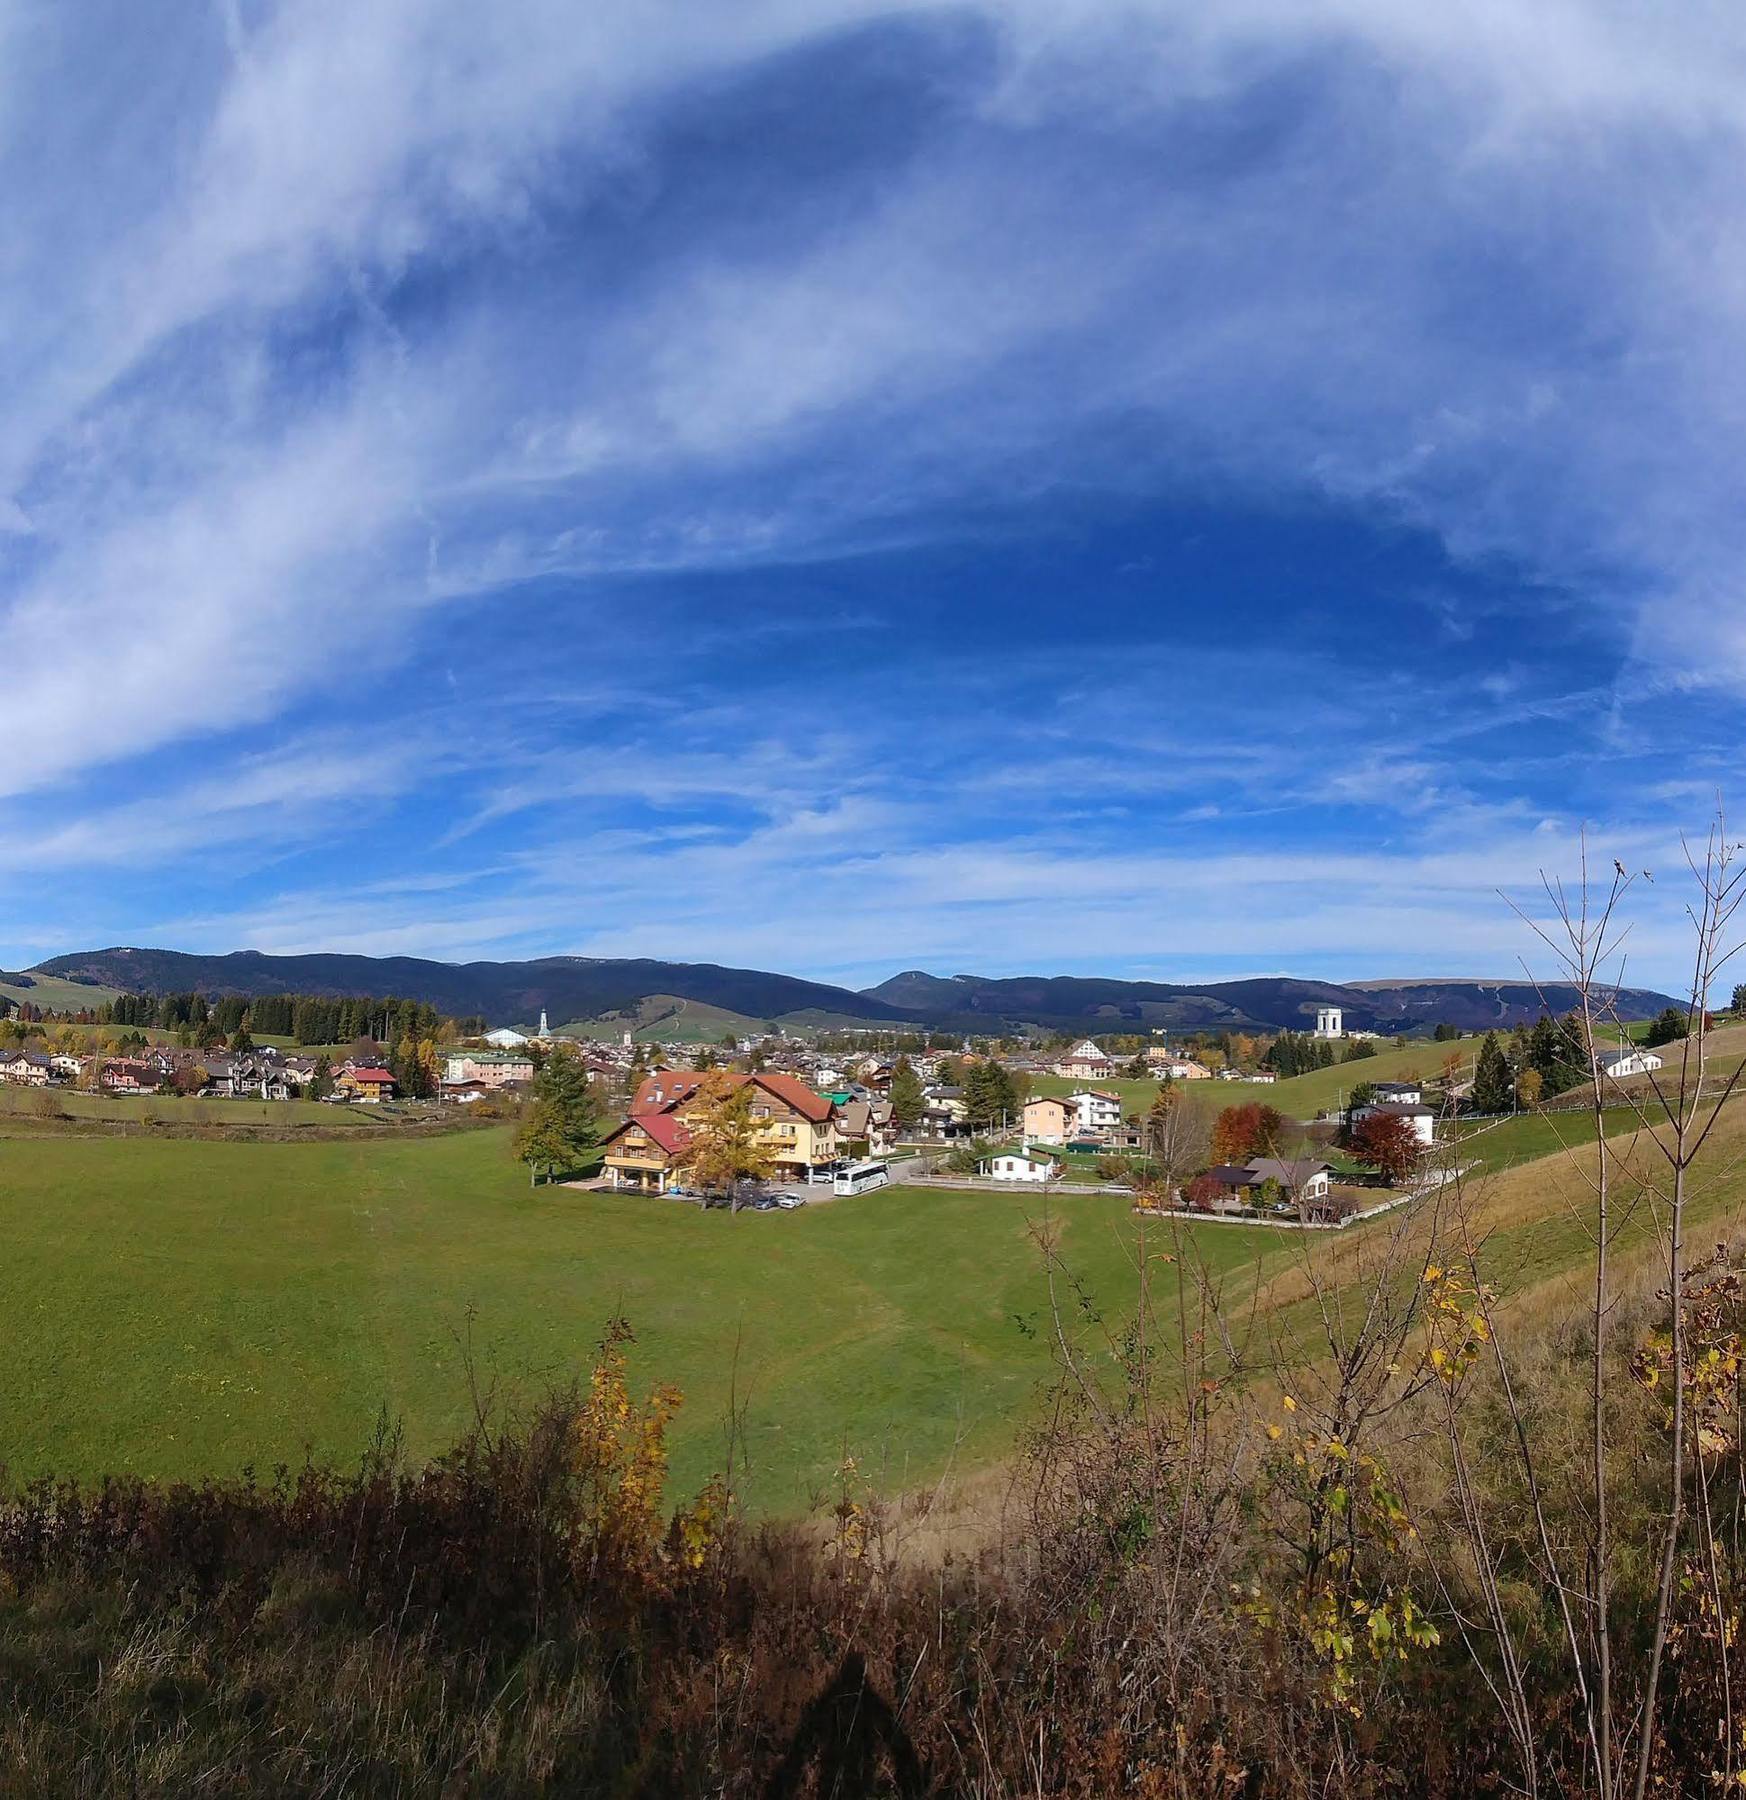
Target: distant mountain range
[(1273, 1002), (570, 989), (575, 990)]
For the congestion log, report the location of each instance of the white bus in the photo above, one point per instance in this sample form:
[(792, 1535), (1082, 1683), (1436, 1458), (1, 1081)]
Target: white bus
[(857, 1178)]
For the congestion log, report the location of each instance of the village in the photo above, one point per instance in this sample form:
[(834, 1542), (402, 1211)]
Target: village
[(1120, 1114)]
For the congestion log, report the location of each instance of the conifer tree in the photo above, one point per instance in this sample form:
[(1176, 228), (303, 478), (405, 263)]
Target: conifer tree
[(1493, 1089), (908, 1103)]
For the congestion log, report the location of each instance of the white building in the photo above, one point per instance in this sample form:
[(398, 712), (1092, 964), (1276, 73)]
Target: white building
[(1328, 1022), (1084, 1062), (1096, 1111), (1019, 1165), (490, 1068), (1622, 1064), (1423, 1119), (1397, 1093), (505, 1039)]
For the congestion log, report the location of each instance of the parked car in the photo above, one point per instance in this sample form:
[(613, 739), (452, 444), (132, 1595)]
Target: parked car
[(788, 1202)]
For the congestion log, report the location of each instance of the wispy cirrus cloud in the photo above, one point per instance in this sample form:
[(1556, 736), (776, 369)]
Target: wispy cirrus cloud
[(345, 344)]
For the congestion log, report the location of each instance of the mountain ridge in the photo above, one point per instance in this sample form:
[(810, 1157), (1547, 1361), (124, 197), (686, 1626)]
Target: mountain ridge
[(1392, 1004), (502, 992), (573, 988)]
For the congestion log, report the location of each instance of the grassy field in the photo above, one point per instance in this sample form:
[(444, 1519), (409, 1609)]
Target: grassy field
[(1531, 1136), (20, 1112), (667, 1019), (55, 995), (180, 1306)]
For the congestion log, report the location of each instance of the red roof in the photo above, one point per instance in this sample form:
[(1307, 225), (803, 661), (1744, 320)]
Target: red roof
[(665, 1090), (663, 1128), (798, 1095), (371, 1075)]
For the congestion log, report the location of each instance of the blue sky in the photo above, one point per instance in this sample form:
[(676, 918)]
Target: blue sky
[(1079, 487)]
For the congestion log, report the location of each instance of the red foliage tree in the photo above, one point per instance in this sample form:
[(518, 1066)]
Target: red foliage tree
[(1201, 1192), (1240, 1132), (1389, 1144)]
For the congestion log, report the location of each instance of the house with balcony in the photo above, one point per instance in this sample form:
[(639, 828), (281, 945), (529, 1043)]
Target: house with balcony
[(363, 1083), (246, 1077), (867, 1121), (800, 1128), (1096, 1111), (646, 1153), (26, 1068)]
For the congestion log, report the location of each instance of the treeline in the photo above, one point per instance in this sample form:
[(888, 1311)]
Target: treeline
[(304, 1018), (1297, 1053), (1534, 1063)]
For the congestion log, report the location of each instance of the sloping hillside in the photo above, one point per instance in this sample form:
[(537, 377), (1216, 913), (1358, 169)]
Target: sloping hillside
[(53, 992), (668, 1018)]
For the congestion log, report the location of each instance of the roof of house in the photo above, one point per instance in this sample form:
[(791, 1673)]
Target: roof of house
[(138, 1076), (664, 1090), (661, 1127), (371, 1075), (1292, 1173), (1048, 1100), (1233, 1175), (1027, 1156), (1392, 1109)]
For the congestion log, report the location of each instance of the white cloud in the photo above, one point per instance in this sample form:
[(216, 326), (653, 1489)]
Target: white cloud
[(1483, 269)]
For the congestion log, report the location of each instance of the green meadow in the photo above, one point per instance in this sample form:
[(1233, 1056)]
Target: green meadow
[(1300, 1097), (183, 1306)]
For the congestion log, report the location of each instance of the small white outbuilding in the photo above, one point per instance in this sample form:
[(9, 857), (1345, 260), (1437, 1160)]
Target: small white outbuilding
[(1019, 1165)]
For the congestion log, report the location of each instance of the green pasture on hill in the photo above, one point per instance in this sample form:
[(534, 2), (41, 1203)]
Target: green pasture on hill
[(55, 995), (176, 1307), (1300, 1097)]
